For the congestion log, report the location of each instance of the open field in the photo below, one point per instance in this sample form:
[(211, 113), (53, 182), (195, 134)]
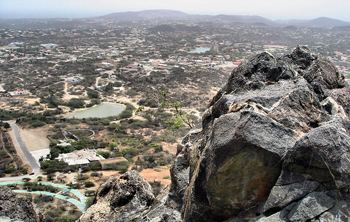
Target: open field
[(36, 139)]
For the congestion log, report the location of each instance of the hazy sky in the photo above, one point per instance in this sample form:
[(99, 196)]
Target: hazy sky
[(275, 9)]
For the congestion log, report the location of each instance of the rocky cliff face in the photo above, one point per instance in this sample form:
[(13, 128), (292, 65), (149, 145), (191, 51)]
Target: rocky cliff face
[(274, 146), (14, 208)]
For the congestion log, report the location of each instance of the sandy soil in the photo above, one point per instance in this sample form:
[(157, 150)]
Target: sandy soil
[(110, 173), (157, 174), (36, 139), (67, 96), (32, 101), (170, 147)]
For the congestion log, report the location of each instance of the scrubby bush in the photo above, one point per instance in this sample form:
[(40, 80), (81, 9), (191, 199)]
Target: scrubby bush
[(76, 103), (52, 166), (89, 184), (92, 94), (104, 154)]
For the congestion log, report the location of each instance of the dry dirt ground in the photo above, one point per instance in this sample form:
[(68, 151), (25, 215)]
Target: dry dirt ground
[(161, 174), (170, 147), (36, 139)]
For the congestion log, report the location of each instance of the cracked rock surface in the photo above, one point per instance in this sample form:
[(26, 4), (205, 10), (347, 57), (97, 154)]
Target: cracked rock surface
[(274, 144)]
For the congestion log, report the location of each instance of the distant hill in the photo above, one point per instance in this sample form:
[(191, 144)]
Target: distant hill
[(173, 15), (146, 15), (178, 15), (248, 19), (322, 22)]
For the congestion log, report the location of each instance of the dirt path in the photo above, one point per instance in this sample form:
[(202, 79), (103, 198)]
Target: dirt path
[(66, 95), (97, 81)]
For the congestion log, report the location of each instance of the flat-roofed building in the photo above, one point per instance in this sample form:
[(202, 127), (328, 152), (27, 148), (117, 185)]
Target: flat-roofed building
[(80, 157)]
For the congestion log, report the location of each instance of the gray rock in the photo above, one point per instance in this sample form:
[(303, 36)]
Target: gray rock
[(311, 206), (179, 178), (160, 211), (322, 72), (121, 199), (250, 135), (324, 155), (343, 98), (277, 217), (302, 57), (16, 208), (303, 110), (282, 196), (244, 155), (339, 213)]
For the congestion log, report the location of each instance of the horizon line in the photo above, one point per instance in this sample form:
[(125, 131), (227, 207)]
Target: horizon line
[(174, 10)]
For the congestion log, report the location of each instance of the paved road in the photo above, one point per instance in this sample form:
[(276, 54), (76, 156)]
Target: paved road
[(18, 143), (30, 159)]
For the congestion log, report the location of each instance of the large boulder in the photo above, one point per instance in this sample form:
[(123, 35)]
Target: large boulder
[(274, 144), (130, 198), (122, 198), (15, 208)]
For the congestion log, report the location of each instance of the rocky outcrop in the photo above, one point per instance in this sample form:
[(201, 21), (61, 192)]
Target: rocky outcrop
[(274, 146), (15, 208), (130, 198), (122, 198)]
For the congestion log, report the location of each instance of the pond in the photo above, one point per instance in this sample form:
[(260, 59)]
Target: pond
[(102, 110), (200, 50)]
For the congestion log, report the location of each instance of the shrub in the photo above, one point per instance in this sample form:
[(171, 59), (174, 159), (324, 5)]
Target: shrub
[(52, 166), (105, 154), (92, 94), (37, 123), (9, 169), (89, 202), (89, 184), (76, 103), (128, 112), (129, 153), (95, 165)]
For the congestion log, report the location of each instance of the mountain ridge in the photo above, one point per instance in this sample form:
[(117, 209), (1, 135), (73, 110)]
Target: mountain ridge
[(163, 15), (325, 22)]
